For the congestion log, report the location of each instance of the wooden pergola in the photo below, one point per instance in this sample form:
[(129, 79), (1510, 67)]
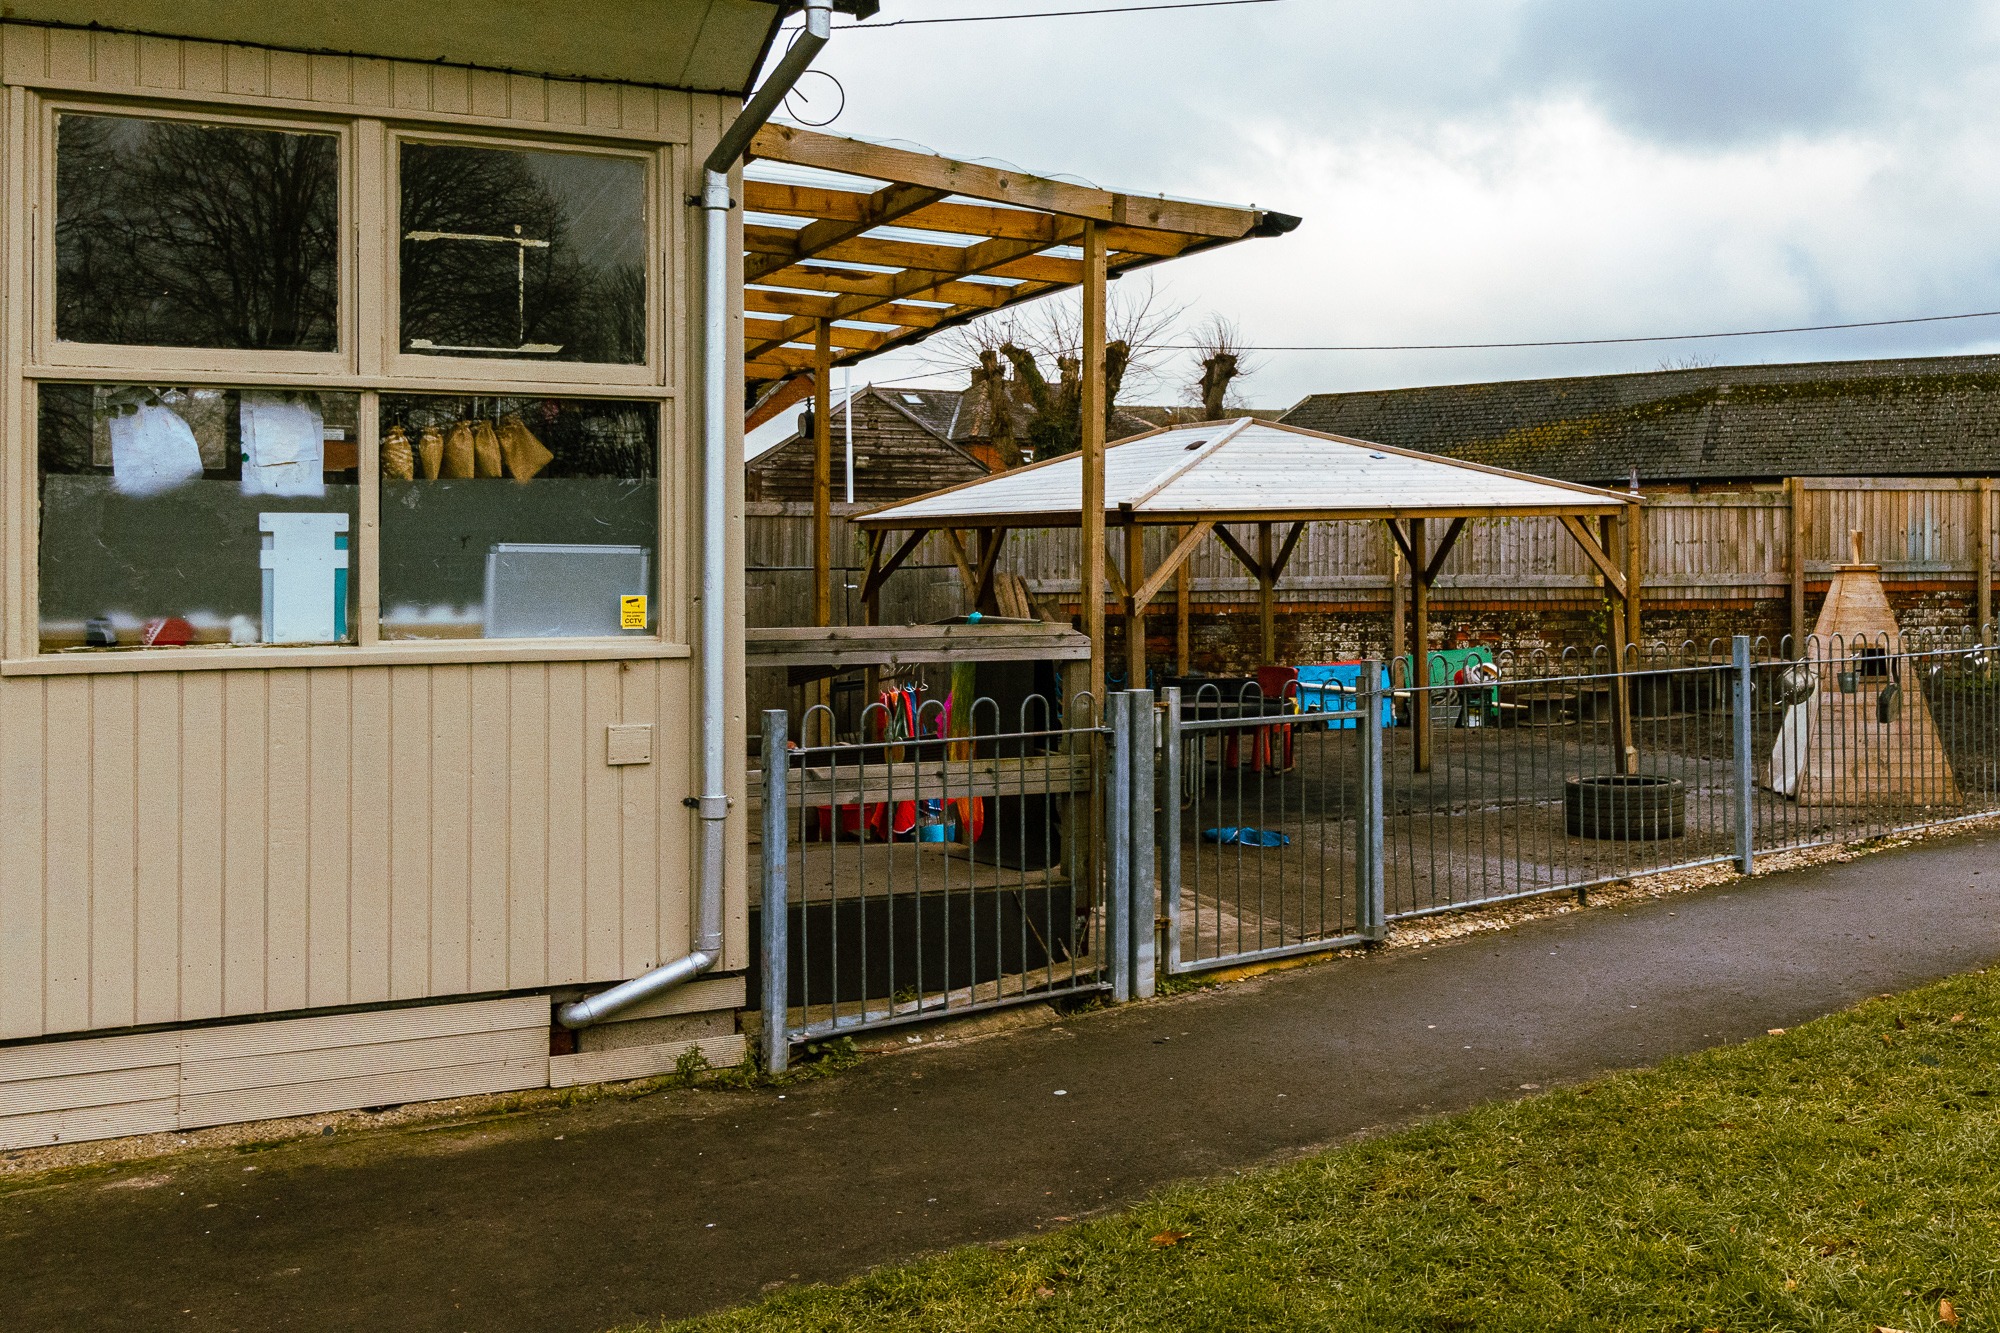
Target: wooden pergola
[(1203, 479), (852, 248)]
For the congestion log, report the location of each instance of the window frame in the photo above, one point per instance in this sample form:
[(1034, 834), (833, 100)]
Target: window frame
[(369, 362), (165, 361), (514, 371)]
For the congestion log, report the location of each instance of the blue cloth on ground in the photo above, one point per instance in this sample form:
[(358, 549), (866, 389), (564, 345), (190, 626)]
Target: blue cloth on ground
[(1247, 837)]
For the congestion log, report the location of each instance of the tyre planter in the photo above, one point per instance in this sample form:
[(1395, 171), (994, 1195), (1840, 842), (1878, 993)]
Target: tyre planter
[(1625, 809)]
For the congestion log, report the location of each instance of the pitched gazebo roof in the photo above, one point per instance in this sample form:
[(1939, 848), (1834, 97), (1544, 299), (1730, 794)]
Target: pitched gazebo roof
[(1204, 477), (1247, 471)]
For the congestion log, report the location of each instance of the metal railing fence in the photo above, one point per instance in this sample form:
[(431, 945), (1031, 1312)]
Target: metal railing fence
[(1530, 787), (952, 864), (1554, 773), (945, 866), (1859, 738)]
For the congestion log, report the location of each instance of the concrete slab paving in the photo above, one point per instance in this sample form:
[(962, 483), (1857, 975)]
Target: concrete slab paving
[(584, 1218)]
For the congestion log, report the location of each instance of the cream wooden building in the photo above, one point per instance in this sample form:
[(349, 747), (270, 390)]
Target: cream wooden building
[(350, 543)]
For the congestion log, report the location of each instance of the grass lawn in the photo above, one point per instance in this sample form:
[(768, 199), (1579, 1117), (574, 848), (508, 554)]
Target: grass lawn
[(1840, 1176)]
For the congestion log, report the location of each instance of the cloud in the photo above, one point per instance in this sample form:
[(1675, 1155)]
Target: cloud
[(1510, 169), (1723, 72)]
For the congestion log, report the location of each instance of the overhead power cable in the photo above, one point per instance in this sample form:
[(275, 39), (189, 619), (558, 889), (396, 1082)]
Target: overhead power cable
[(1588, 342), (1547, 342), (1060, 13)]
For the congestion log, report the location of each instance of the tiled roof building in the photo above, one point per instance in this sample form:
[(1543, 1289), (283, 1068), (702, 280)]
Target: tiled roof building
[(1932, 416)]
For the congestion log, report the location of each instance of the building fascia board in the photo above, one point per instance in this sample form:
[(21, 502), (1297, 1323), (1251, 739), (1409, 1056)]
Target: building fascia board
[(713, 46)]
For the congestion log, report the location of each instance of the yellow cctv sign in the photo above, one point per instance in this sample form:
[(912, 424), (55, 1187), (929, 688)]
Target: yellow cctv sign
[(632, 612)]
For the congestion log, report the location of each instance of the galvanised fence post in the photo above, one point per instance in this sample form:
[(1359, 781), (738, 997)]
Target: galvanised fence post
[(776, 919), (1746, 786), (1369, 839), (1145, 907), (1170, 837), (1118, 852)]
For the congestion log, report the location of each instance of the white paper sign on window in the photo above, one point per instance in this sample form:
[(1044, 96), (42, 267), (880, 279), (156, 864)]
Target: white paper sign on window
[(284, 447), (152, 451)]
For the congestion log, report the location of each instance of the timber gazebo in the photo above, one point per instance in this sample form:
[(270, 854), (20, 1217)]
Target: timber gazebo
[(1203, 478)]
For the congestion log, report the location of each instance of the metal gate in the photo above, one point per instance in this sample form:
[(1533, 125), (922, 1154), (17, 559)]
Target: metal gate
[(1271, 837), (945, 865)]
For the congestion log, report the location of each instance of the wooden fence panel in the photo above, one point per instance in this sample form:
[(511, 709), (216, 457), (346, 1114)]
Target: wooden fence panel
[(1919, 528), (1718, 547)]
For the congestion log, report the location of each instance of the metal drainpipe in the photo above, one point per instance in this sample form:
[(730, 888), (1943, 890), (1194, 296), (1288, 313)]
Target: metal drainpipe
[(713, 804)]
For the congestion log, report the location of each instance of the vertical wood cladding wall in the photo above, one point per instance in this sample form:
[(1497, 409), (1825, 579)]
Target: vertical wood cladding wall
[(193, 845), (187, 845)]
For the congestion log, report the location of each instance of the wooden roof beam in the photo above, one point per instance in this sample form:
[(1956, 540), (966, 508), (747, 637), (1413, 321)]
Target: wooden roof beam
[(976, 259), (845, 282), (787, 360), (781, 395), (951, 218), (866, 340), (948, 260), (821, 307), (883, 207), (807, 148), (856, 250)]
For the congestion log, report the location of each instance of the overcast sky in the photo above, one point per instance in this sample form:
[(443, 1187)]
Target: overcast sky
[(1481, 170)]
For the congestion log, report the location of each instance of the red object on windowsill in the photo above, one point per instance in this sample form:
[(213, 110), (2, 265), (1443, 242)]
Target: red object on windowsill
[(171, 632)]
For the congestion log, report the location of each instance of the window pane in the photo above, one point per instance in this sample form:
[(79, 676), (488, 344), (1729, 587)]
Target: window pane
[(523, 254), (176, 516), (176, 234), (517, 518)]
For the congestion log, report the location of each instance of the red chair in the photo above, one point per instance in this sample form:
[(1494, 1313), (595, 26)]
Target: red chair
[(1269, 745), (1281, 685)]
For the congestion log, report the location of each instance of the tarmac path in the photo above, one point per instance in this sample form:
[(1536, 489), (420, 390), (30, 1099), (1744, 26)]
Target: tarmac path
[(583, 1218)]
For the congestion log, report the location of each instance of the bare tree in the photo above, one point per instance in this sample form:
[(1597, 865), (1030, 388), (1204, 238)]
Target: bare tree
[(992, 407), (1048, 336), (1220, 367)]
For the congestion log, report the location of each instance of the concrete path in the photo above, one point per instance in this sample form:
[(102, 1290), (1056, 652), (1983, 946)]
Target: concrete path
[(671, 1204)]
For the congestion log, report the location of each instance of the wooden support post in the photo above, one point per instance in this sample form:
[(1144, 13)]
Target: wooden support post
[(1267, 611), (1635, 569), (1795, 498), (1183, 596), (821, 691), (871, 613), (1982, 559), (1420, 647), (822, 473), (1135, 612), (1091, 553), (1399, 625), (1626, 755), (990, 542)]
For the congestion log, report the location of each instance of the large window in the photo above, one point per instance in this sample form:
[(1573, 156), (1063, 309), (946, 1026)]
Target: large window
[(517, 518), (183, 516), (176, 233), (523, 254), (280, 402)]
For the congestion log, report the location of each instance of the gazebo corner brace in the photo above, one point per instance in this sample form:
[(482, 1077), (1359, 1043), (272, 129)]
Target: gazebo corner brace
[(712, 806)]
